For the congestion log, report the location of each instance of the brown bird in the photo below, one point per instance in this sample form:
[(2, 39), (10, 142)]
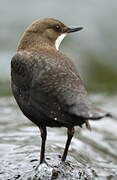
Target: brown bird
[(46, 84)]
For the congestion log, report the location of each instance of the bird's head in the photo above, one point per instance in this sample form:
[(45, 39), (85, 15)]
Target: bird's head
[(49, 30)]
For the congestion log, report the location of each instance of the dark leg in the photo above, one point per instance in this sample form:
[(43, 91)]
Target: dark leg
[(70, 133), (43, 136)]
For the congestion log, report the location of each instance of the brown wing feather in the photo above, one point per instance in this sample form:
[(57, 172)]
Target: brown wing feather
[(53, 85)]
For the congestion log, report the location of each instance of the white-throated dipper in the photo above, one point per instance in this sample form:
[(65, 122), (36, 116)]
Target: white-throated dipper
[(46, 84)]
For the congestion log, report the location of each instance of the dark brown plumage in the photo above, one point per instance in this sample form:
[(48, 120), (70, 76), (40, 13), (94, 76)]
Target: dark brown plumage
[(46, 84)]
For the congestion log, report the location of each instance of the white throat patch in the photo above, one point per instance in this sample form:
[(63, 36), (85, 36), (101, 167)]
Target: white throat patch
[(59, 40)]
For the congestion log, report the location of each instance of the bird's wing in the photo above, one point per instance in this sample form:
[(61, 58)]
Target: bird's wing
[(54, 84), (21, 69), (60, 80)]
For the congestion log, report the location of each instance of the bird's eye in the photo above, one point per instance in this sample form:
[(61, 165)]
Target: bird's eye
[(57, 28)]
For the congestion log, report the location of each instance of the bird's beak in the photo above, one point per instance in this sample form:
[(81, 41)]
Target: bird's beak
[(70, 30)]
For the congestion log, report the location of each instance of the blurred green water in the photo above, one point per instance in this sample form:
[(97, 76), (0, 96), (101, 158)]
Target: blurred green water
[(94, 50)]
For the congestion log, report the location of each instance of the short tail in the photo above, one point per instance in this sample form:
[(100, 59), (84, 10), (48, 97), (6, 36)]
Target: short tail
[(97, 115), (88, 126)]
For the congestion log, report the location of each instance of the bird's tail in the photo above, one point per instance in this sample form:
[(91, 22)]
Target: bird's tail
[(97, 114), (88, 113), (87, 123)]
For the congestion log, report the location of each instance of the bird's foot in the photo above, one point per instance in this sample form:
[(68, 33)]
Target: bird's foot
[(41, 164), (44, 162)]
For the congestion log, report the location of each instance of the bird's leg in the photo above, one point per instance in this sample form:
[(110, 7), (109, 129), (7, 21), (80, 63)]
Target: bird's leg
[(43, 136), (70, 133)]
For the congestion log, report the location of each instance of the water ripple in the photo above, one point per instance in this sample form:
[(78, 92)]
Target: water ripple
[(92, 155)]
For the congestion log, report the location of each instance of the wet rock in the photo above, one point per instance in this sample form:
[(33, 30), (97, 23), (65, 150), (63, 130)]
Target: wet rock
[(60, 170)]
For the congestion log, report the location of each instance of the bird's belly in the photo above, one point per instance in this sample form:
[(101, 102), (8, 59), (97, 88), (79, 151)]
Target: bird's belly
[(37, 117)]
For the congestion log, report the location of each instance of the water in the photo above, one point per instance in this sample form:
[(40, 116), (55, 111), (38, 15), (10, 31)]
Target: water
[(92, 155)]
